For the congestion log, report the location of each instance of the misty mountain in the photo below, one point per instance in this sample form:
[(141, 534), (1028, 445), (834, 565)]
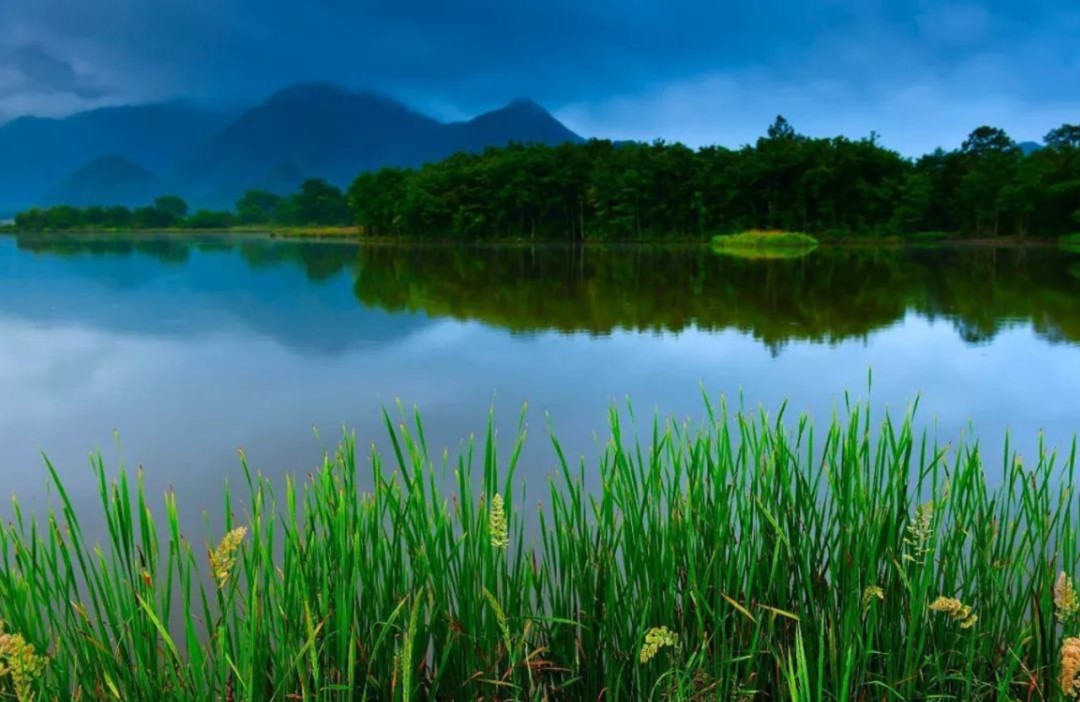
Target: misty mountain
[(521, 120), (323, 131), (1029, 147), (305, 131), (40, 155), (112, 180)]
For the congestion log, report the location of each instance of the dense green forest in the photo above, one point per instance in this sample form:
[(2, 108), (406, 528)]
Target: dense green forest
[(827, 187), (607, 191)]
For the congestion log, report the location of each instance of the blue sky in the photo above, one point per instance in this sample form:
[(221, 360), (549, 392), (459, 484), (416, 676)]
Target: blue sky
[(920, 73)]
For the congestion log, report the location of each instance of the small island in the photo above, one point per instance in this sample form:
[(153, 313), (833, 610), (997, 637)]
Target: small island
[(764, 244)]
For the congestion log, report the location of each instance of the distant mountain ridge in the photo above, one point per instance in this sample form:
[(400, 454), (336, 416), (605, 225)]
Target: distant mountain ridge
[(112, 180), (304, 131), (39, 155), (319, 130)]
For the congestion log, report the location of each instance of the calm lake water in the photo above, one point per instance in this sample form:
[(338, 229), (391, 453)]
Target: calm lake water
[(191, 349)]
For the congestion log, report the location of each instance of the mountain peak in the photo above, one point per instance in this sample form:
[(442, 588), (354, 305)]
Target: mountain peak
[(321, 93), (304, 91), (522, 104), (522, 119)]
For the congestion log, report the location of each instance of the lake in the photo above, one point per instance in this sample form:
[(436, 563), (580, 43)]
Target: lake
[(171, 354)]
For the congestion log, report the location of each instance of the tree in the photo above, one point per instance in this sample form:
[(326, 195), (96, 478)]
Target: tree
[(63, 217), (782, 129), (1067, 136), (211, 219), (173, 206), (151, 218), (257, 207), (117, 217), (986, 141), (992, 160), (317, 203), (32, 220)]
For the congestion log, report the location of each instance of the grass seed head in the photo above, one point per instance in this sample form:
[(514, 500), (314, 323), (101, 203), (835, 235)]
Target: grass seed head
[(223, 558), (498, 528), (957, 611), (869, 594), (1065, 604), (656, 639), (22, 663), (919, 532), (1070, 667)]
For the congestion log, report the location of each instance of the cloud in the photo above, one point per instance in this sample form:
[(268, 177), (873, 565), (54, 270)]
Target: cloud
[(581, 57), (33, 80), (732, 110), (44, 72), (30, 68)]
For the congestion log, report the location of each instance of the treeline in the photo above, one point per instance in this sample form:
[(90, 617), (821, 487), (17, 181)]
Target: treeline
[(607, 191), (840, 187), (316, 204)]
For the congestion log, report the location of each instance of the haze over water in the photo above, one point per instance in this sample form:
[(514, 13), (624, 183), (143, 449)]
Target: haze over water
[(191, 349)]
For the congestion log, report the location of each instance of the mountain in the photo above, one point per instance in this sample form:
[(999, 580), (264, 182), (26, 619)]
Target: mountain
[(40, 154), (1029, 147), (521, 120), (113, 180), (314, 130), (324, 131), (210, 158)]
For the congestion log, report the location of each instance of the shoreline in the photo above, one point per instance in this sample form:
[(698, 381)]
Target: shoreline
[(353, 236)]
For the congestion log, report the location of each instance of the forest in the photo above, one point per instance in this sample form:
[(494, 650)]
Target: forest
[(627, 191), (830, 188)]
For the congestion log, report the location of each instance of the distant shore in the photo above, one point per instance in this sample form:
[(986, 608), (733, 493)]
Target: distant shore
[(355, 235), (272, 231)]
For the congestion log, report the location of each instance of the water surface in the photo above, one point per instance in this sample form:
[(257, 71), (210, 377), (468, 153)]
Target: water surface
[(190, 349)]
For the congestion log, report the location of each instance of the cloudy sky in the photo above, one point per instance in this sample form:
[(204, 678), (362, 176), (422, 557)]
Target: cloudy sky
[(921, 73)]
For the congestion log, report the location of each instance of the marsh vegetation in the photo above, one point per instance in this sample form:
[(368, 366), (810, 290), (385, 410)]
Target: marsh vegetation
[(748, 557)]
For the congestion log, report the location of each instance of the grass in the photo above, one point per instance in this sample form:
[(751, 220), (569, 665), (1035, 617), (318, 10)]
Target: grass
[(745, 558), (1070, 242), (760, 240)]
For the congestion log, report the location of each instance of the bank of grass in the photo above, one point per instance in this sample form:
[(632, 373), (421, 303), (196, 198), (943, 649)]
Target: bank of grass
[(1070, 242), (758, 240), (746, 558)]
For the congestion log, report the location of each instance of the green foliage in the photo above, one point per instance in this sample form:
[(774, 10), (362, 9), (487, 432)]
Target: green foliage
[(172, 206), (834, 188), (257, 207), (840, 188), (742, 558), (210, 219), (318, 204), (1070, 242), (758, 239)]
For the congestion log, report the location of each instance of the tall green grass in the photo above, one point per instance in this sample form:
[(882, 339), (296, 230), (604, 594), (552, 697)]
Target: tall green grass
[(746, 558)]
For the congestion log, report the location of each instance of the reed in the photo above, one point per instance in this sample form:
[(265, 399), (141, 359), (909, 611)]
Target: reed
[(742, 558)]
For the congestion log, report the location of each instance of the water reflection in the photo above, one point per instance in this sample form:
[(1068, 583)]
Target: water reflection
[(830, 296), (193, 348)]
